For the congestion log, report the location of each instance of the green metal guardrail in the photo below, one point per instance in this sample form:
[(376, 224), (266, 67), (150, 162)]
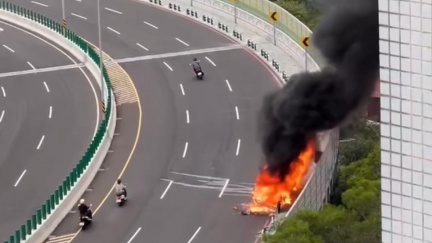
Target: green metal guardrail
[(287, 22), (63, 189)]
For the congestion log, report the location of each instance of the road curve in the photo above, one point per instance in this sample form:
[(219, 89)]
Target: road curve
[(47, 121), (197, 154)]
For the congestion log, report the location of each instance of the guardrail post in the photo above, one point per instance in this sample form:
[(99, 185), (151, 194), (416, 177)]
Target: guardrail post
[(48, 206), (44, 211), (39, 216), (52, 201), (17, 236), (29, 226), (56, 193), (34, 221), (23, 232)]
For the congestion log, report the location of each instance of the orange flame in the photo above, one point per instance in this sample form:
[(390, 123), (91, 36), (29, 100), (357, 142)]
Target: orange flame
[(270, 189)]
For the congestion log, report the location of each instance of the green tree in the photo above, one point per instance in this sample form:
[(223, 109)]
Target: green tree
[(300, 9), (332, 223), (294, 231), (363, 198), (368, 230), (367, 168), (361, 137), (356, 220)]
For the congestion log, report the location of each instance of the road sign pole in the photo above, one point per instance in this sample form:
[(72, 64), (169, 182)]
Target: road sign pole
[(63, 16), (63, 10), (100, 50), (274, 17), (305, 42), (235, 12), (191, 3)]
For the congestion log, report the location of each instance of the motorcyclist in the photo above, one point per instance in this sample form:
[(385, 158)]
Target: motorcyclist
[(196, 65), (120, 188), (83, 208)]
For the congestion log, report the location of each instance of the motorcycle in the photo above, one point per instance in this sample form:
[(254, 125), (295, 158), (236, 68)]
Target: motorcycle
[(86, 219), (200, 74), (121, 199)]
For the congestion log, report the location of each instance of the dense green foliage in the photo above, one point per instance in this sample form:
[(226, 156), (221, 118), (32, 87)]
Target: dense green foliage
[(304, 10), (355, 218)]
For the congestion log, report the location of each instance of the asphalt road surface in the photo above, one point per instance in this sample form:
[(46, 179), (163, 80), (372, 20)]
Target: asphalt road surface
[(47, 121), (197, 154)]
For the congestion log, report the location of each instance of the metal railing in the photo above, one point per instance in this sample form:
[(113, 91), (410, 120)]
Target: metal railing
[(52, 202), (286, 23)]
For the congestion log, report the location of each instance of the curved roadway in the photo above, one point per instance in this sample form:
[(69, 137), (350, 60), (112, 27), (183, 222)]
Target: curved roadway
[(46, 123), (195, 135)]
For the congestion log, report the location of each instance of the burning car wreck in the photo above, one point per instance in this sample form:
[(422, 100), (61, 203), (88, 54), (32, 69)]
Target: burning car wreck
[(271, 193)]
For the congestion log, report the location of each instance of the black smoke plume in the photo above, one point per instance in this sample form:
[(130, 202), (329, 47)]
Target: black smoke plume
[(347, 36)]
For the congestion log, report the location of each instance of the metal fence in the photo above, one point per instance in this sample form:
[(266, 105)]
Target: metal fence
[(43, 212), (286, 23)]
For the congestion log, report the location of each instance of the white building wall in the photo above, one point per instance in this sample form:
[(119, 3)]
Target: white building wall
[(406, 115)]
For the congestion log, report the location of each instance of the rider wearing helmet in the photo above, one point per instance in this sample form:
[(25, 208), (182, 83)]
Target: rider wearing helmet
[(120, 188), (82, 207), (196, 66)]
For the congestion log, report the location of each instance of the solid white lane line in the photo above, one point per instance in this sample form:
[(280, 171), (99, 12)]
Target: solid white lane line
[(10, 49), (151, 25), (187, 116), (114, 11), (46, 87), (185, 149), (224, 187), (166, 189), (79, 16), (40, 142), (41, 4), (238, 147), (184, 43), (1, 116), (31, 65), (113, 30), (228, 84), (194, 235), (50, 113), (182, 90), (237, 113), (134, 235), (168, 66), (143, 47), (3, 91), (210, 61), (19, 178)]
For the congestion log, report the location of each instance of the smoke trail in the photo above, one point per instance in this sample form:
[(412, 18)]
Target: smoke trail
[(347, 36)]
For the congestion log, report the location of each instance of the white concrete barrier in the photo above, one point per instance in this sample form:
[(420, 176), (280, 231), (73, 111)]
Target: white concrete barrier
[(69, 201)]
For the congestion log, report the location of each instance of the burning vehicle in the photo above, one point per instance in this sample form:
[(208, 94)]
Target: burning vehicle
[(312, 102)]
